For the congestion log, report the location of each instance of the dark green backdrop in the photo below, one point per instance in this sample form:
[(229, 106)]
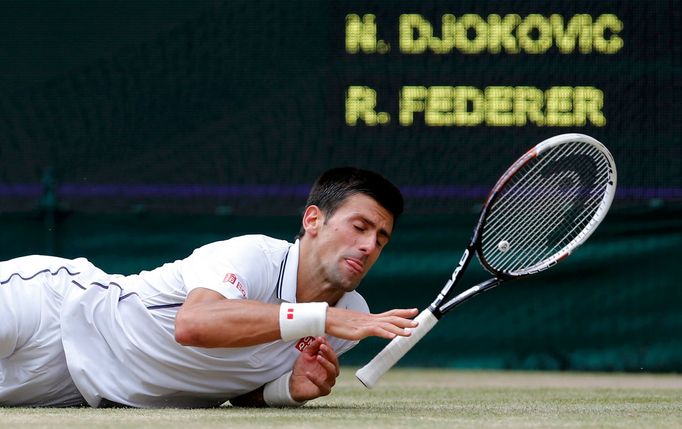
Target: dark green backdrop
[(133, 131)]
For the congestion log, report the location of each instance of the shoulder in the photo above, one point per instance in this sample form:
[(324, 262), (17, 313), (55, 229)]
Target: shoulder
[(250, 240), (353, 301), (245, 246), (241, 267)]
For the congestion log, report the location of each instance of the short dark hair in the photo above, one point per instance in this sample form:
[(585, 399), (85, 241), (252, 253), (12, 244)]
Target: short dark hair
[(332, 188)]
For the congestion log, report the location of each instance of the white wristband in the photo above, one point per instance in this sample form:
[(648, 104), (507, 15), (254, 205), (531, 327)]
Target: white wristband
[(276, 393), (302, 320)]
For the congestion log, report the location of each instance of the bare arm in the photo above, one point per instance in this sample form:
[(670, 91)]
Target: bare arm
[(207, 319)]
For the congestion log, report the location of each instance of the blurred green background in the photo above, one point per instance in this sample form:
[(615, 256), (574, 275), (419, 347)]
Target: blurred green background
[(132, 132)]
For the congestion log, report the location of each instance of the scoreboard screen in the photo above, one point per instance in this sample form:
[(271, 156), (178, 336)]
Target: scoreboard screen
[(238, 105)]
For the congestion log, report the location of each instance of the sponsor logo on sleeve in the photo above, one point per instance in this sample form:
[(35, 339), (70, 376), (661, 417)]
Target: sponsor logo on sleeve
[(241, 288), (232, 279)]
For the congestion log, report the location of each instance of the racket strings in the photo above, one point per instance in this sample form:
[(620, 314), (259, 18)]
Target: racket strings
[(511, 204), (531, 244), (506, 204), (521, 177), (551, 220), (533, 227), (532, 252), (531, 247), (545, 206), (578, 229), (528, 240)]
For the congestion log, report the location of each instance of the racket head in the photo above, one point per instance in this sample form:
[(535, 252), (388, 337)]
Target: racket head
[(545, 205)]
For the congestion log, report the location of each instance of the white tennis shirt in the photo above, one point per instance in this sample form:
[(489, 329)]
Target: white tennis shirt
[(118, 331)]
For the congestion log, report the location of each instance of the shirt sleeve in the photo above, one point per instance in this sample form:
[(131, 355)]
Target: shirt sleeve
[(234, 268)]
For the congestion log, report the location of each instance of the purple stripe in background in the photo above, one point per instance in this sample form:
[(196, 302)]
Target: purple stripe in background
[(649, 193), (74, 190), (28, 190), (180, 191), (438, 191)]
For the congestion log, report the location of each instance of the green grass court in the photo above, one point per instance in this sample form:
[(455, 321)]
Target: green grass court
[(421, 399)]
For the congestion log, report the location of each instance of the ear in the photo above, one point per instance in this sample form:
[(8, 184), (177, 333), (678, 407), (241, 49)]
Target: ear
[(312, 219)]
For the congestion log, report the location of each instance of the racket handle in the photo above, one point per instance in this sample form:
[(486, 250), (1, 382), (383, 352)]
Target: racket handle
[(396, 349)]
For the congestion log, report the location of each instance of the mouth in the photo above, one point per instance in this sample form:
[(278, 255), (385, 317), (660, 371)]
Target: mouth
[(355, 265)]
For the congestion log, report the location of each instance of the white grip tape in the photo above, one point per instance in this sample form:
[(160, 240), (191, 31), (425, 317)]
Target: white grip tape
[(302, 320), (396, 349), (276, 393)]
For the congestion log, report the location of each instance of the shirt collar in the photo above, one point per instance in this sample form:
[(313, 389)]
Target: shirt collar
[(288, 274)]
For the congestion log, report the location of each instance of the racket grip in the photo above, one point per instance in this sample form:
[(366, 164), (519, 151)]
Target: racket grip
[(396, 349)]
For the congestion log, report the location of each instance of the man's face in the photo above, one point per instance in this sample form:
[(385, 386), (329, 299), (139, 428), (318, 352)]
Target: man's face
[(348, 242)]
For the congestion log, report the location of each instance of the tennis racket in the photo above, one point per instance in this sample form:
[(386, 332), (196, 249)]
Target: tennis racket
[(543, 207)]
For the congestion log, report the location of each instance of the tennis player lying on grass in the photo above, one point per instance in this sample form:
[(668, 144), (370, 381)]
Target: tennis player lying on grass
[(253, 320)]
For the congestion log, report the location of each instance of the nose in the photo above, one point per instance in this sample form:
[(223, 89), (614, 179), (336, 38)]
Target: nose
[(368, 244)]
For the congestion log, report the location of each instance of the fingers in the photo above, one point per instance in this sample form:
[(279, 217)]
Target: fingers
[(324, 385), (325, 355), (400, 322), (314, 347), (388, 332), (324, 378), (393, 331), (394, 323), (327, 358), (400, 312), (353, 325)]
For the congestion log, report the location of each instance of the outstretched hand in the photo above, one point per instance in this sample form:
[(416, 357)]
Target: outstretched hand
[(315, 371), (354, 325)]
